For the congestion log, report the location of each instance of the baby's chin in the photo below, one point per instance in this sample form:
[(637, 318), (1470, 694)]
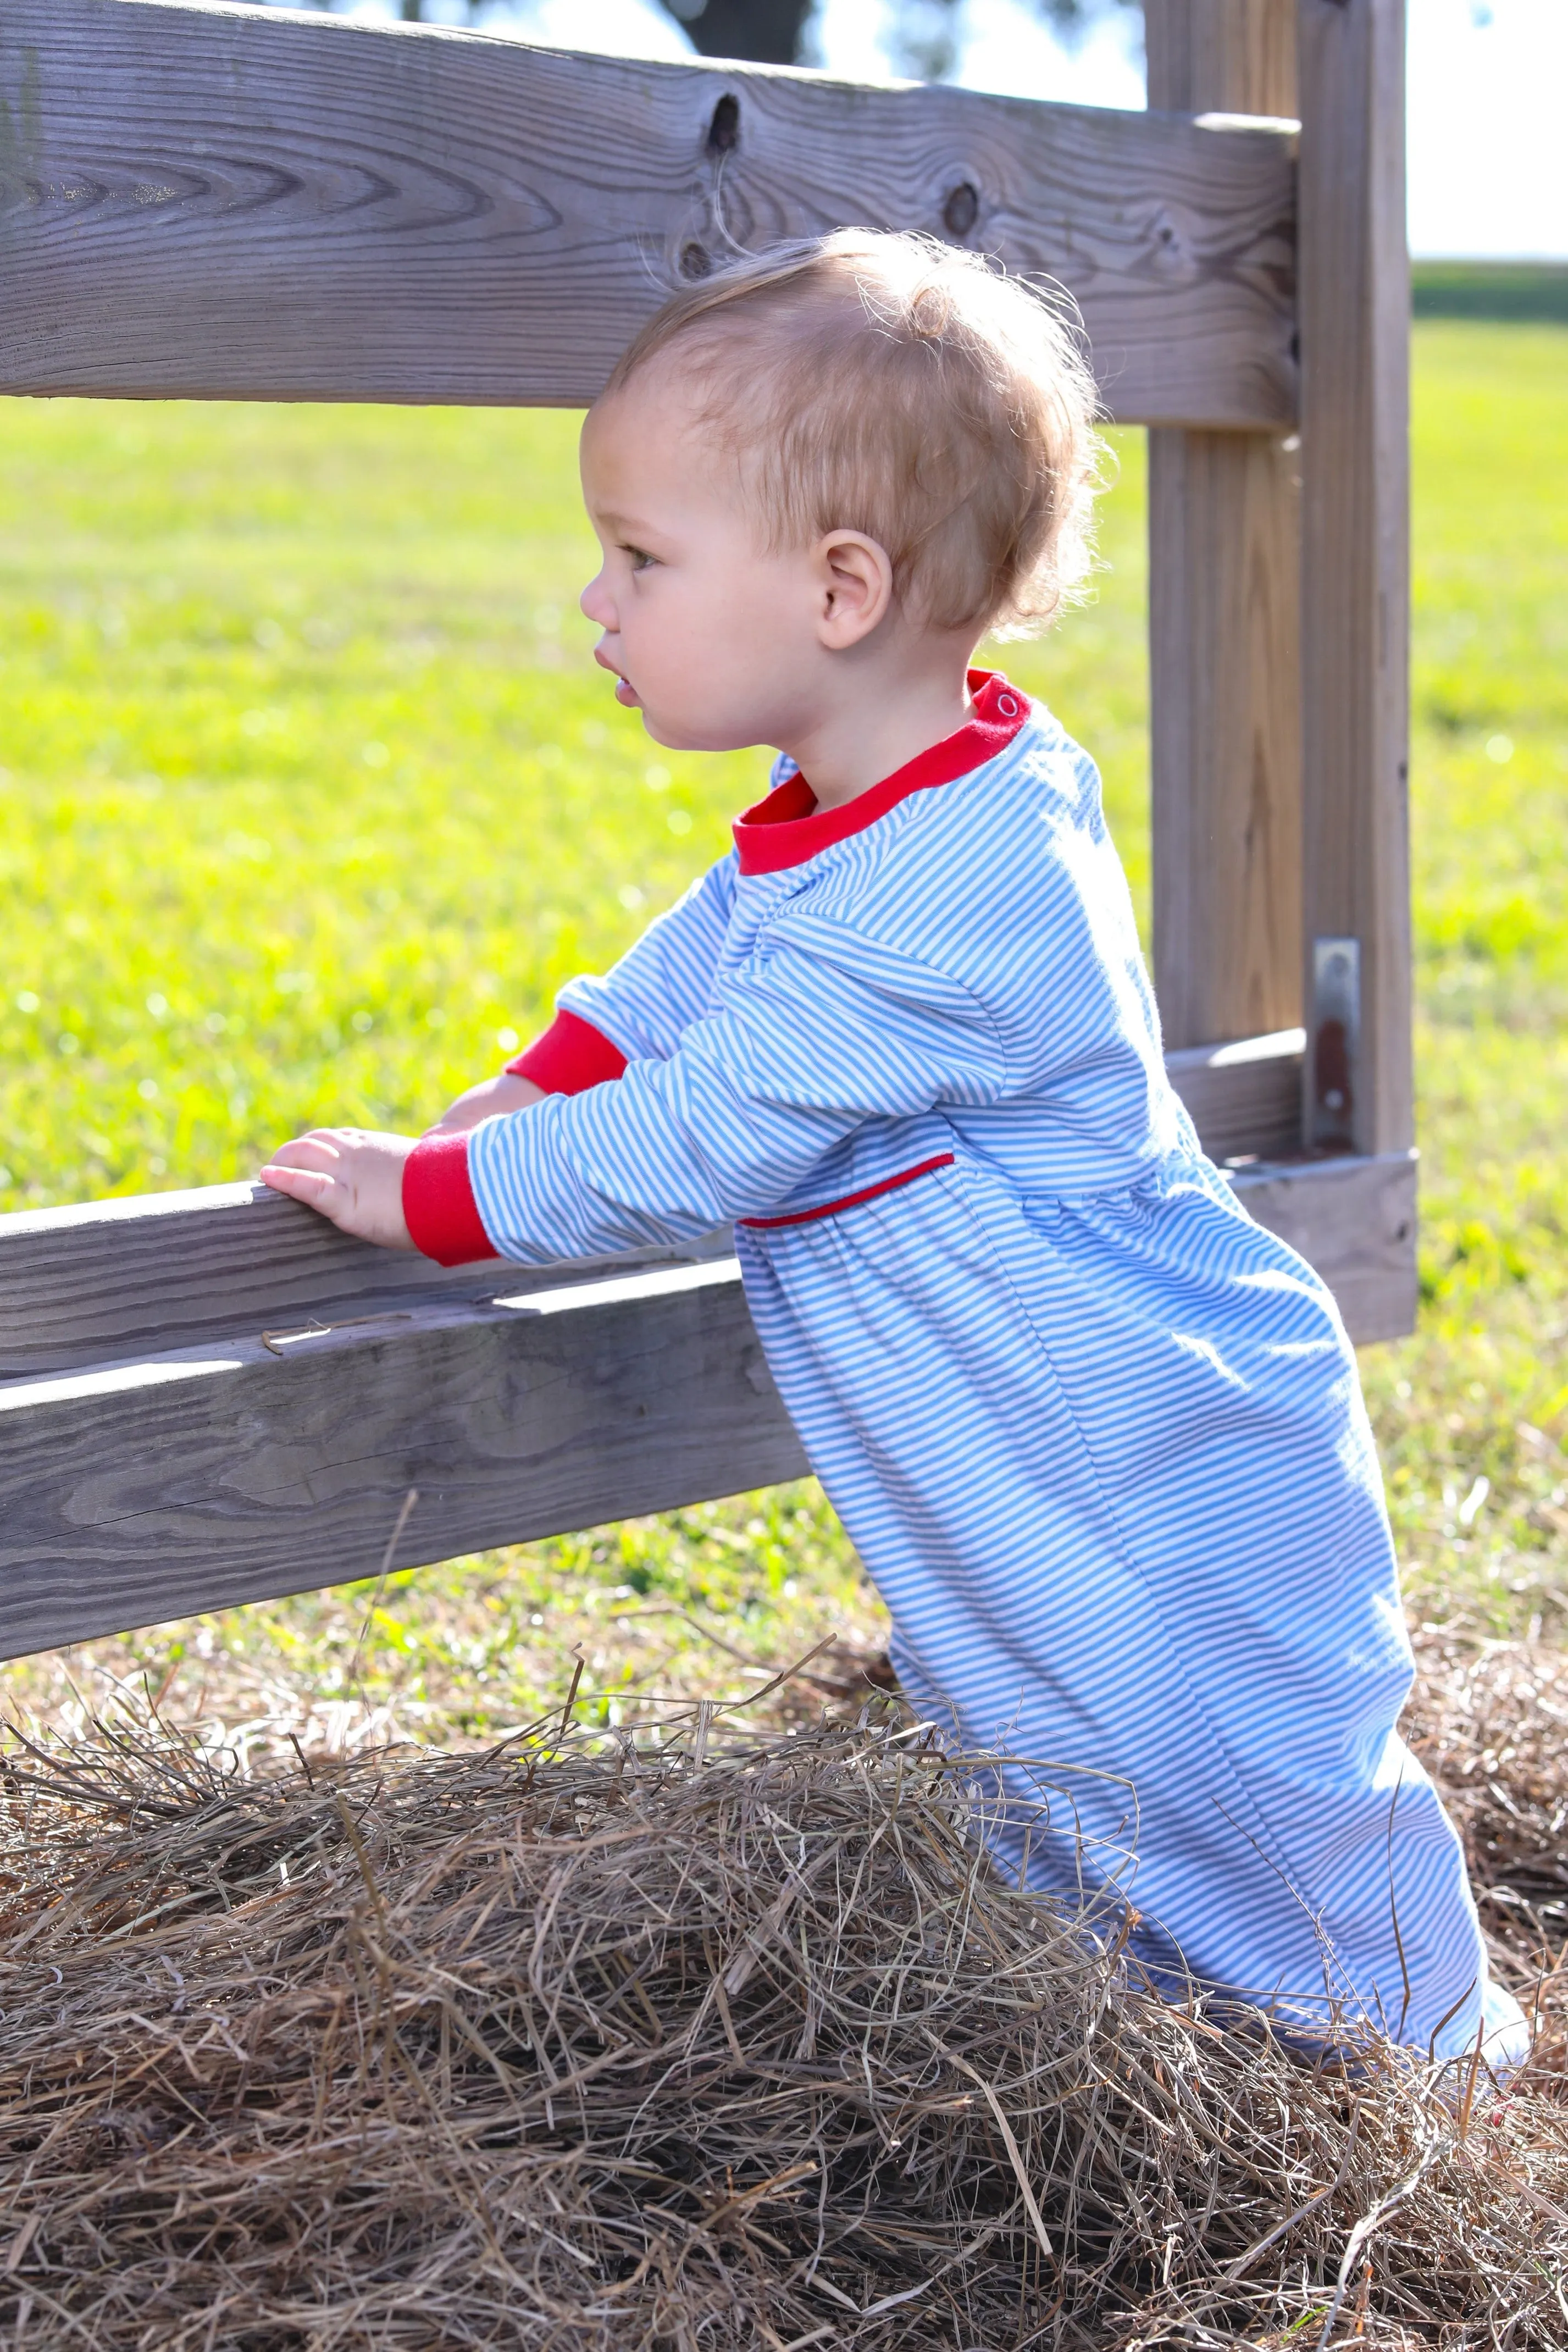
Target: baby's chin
[(693, 735), (692, 729)]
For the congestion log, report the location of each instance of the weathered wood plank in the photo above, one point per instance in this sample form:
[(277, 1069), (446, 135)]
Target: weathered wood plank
[(167, 1270), (1224, 627), (1237, 56), (210, 202), (136, 1492), (1355, 589), (140, 1493), (164, 1270), (1225, 733), (1244, 1097), (1354, 1220)]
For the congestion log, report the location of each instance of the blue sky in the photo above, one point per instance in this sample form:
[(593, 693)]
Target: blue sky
[(1488, 81)]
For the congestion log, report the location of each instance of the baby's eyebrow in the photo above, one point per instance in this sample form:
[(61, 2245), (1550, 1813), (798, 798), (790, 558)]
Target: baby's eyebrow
[(624, 526)]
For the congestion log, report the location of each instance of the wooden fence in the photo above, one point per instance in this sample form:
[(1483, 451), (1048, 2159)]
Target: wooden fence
[(211, 1397)]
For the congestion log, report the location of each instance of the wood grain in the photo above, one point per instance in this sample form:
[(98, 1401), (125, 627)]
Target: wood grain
[(1355, 587), (136, 1492), (165, 1270), (1224, 628), (1354, 1220), (132, 1496), (1244, 1097), (1236, 56), (225, 202)]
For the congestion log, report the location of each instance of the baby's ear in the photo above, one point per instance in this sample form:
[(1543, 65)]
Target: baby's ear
[(854, 578)]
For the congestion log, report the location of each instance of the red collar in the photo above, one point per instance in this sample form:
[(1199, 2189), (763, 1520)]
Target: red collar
[(788, 827)]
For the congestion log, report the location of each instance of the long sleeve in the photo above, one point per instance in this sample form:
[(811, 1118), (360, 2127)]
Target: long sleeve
[(819, 1031), (639, 1009)]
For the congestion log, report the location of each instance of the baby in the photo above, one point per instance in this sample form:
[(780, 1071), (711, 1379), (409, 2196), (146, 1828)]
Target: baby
[(1097, 1436)]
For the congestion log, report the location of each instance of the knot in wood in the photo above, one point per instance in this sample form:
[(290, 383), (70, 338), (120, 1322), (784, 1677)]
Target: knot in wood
[(961, 208), (723, 131)]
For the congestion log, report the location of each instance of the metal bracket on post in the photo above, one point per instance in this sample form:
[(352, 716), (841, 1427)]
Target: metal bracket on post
[(1333, 1045)]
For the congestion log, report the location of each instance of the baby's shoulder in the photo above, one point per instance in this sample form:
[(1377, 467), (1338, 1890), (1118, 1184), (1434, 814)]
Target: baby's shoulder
[(1000, 831), (1044, 773), (971, 870)]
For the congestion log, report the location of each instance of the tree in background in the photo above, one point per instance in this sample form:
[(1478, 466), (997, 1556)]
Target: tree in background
[(773, 32), (765, 32)]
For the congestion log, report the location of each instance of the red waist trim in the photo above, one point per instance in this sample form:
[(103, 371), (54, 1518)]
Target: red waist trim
[(850, 1200)]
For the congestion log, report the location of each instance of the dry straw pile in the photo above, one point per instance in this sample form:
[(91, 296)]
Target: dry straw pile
[(690, 2044)]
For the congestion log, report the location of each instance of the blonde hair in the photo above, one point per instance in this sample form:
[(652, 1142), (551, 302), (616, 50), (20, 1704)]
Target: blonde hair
[(898, 386)]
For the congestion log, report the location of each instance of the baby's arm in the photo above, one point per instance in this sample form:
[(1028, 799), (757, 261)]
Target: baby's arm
[(819, 1032), (647, 1001), (354, 1176), (637, 1010), (491, 1099)]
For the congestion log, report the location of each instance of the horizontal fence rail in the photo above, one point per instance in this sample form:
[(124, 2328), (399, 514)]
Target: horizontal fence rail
[(229, 203), (137, 1492), (1244, 1097), (213, 1397), (166, 1270)]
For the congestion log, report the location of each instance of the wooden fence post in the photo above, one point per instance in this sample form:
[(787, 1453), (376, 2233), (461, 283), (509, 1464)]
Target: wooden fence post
[(1354, 310), (1224, 632)]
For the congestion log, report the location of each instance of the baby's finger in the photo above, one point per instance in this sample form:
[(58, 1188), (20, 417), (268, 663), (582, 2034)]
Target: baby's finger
[(318, 1151), (314, 1186)]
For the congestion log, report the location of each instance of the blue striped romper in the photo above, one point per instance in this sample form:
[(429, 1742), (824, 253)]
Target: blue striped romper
[(1097, 1436)]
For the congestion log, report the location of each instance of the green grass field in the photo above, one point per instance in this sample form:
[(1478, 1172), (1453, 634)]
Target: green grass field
[(309, 797)]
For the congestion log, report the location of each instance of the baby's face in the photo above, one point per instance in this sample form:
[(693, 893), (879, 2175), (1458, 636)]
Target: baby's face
[(711, 637)]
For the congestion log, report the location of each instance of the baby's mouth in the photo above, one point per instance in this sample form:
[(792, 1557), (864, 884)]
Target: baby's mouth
[(626, 692)]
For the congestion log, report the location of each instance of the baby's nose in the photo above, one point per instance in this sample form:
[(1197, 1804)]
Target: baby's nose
[(595, 602)]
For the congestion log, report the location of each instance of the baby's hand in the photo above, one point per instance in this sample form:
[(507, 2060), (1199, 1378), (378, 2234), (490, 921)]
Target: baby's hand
[(491, 1099), (351, 1175)]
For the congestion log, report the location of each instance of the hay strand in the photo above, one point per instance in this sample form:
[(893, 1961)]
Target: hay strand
[(680, 2043)]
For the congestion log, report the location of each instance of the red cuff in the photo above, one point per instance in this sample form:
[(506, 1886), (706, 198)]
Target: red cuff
[(438, 1204), (571, 1057)]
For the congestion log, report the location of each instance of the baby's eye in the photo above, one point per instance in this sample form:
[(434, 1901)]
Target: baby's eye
[(641, 558)]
